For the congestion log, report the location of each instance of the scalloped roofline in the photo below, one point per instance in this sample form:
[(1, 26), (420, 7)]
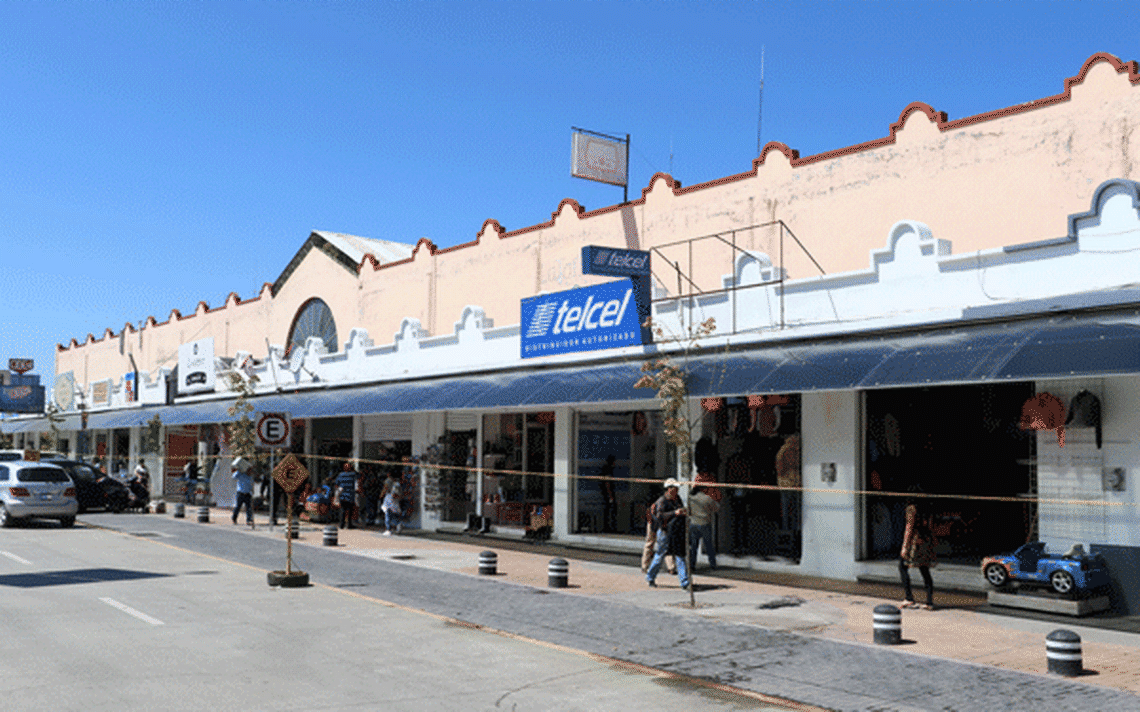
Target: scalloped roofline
[(939, 118)]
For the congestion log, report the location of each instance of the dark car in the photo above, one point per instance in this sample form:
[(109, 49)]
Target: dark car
[(94, 489)]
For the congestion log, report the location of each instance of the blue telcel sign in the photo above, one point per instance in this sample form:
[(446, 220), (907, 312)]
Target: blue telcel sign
[(604, 316)]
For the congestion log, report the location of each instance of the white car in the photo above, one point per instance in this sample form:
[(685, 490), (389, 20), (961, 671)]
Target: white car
[(35, 489)]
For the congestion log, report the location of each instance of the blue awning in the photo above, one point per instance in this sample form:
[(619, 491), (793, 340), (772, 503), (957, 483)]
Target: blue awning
[(1091, 343)]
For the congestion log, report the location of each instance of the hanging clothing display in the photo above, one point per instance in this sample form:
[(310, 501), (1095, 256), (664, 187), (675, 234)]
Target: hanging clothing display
[(1084, 412), (1044, 411)]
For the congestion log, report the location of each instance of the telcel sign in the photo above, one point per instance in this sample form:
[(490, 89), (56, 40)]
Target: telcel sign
[(604, 316), (615, 262)]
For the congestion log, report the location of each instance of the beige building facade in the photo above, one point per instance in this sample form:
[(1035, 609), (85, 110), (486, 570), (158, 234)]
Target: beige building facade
[(876, 306)]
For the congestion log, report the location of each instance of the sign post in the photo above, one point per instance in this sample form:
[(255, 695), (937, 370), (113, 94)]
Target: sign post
[(289, 473), (273, 431)]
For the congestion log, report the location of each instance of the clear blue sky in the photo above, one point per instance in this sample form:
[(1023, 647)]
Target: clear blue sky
[(155, 154)]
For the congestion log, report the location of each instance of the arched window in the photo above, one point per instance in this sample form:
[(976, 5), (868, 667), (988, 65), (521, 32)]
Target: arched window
[(314, 318)]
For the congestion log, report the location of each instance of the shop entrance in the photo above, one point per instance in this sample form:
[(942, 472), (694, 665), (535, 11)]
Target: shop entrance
[(952, 440), (332, 444), (523, 442)]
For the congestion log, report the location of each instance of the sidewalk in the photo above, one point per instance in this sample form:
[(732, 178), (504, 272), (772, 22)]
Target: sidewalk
[(1111, 659)]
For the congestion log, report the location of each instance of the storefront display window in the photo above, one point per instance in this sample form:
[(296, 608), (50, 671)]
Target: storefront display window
[(636, 443), (952, 440), (755, 440)]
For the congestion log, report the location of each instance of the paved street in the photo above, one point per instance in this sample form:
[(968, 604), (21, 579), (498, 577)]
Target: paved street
[(95, 620), (648, 628)]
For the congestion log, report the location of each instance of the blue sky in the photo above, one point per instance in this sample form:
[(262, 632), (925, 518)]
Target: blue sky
[(156, 154)]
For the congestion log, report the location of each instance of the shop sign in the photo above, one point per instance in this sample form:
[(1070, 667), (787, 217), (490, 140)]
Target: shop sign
[(21, 365), (604, 316), (22, 399), (196, 366), (614, 261), (101, 392)]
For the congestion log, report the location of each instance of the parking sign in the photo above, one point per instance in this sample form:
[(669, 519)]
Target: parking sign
[(273, 430)]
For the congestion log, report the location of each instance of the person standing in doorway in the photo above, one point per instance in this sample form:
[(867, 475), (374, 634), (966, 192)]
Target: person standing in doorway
[(609, 497), (917, 552), (702, 507), (346, 494), (244, 495)]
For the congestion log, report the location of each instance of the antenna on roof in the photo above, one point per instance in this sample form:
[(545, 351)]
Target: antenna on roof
[(760, 110)]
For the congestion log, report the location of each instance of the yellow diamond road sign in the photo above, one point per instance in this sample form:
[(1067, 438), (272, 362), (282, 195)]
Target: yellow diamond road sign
[(290, 473)]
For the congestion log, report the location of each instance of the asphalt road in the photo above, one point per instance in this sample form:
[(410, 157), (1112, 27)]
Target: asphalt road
[(825, 673), (100, 620)]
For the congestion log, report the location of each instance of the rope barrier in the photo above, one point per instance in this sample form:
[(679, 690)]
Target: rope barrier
[(418, 463)]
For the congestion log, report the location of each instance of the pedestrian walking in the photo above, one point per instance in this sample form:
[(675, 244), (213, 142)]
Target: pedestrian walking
[(244, 495), (917, 552), (390, 495), (650, 546), (669, 518), (391, 507), (346, 494), (702, 507), (190, 477)]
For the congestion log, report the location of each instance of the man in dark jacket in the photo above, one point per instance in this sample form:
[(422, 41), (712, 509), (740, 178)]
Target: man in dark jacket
[(669, 518)]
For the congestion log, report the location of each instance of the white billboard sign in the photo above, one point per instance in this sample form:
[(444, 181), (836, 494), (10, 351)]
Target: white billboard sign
[(600, 158), (196, 366)]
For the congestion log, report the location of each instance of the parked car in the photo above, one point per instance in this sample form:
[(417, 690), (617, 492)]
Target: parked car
[(1065, 573), (10, 454), (36, 489), (94, 490)]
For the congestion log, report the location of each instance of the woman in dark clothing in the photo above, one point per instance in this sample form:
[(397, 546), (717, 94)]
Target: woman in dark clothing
[(917, 552)]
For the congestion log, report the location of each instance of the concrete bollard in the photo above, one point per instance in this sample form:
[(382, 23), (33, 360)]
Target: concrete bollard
[(488, 563), (887, 622), (203, 515), (329, 535), (294, 530), (1063, 653), (558, 573), (180, 511)]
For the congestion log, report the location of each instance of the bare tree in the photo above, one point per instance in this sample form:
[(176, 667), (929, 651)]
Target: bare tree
[(669, 379)]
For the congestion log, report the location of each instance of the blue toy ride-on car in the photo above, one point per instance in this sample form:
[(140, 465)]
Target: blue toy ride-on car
[(1068, 573)]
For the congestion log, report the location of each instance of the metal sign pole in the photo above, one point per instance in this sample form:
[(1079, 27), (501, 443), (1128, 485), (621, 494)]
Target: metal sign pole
[(289, 538)]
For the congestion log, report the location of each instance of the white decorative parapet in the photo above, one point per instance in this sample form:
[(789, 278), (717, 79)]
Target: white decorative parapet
[(913, 279)]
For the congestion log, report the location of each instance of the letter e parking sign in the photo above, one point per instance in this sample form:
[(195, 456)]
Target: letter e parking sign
[(273, 430)]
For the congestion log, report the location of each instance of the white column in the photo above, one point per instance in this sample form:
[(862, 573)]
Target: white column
[(831, 430), (479, 463), (357, 438), (564, 466)]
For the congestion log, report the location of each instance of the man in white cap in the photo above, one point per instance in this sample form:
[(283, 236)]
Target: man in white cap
[(669, 518)]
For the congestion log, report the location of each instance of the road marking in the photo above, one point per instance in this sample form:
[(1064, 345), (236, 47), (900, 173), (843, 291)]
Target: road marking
[(132, 612), (15, 558)]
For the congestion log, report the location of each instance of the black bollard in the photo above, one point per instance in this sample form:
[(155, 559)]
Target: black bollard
[(488, 563), (887, 622), (558, 573), (180, 511), (203, 515), (1063, 653), (329, 535)]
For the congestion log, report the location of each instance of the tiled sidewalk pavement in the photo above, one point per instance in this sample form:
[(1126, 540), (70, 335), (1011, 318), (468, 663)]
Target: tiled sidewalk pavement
[(1113, 659)]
